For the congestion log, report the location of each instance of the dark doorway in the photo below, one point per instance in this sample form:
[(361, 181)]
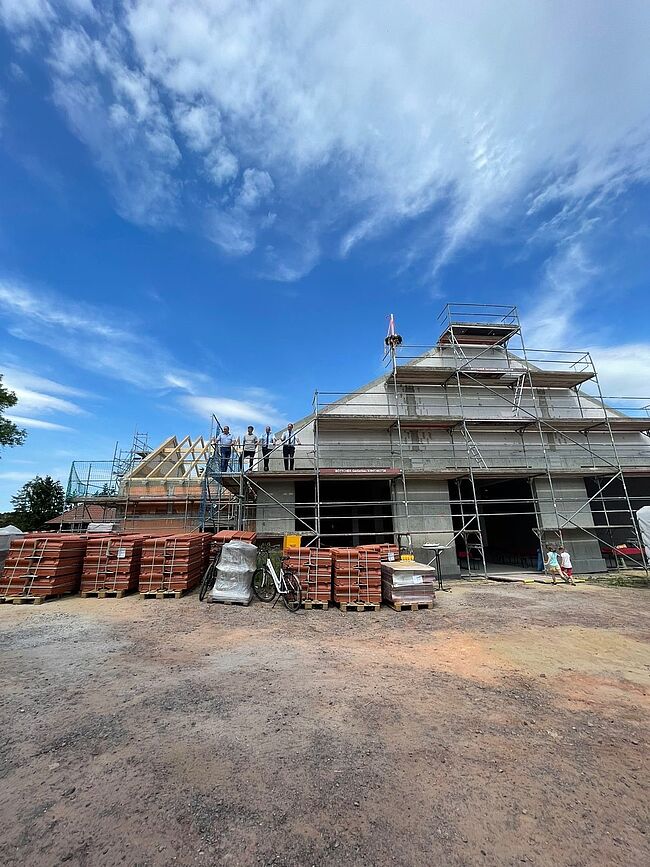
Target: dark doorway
[(508, 522), (352, 512)]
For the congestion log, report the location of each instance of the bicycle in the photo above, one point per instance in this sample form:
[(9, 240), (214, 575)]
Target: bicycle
[(209, 578), (268, 585)]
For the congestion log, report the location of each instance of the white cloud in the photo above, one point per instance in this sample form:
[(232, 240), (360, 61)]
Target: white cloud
[(558, 320), (92, 339), (23, 421), (15, 476), (234, 412), (371, 114)]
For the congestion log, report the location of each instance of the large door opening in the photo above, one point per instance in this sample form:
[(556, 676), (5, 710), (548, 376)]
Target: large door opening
[(352, 512), (509, 523)]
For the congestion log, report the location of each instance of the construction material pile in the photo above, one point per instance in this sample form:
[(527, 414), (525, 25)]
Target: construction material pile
[(234, 580), (219, 540), (172, 563), (408, 583), (43, 564), (112, 563), (313, 568)]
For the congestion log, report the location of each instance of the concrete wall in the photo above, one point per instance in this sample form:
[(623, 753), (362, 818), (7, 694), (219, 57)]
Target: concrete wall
[(272, 518), (570, 494), (430, 520)]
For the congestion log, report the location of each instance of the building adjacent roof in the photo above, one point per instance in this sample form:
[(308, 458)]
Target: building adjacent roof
[(83, 514)]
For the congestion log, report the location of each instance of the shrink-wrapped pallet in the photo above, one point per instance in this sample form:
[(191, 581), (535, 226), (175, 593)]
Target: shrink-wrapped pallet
[(235, 570), (408, 582)]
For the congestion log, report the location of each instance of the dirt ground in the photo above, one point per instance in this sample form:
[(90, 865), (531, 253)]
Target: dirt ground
[(507, 726)]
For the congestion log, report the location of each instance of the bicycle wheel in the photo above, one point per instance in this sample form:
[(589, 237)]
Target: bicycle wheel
[(293, 596), (263, 585), (208, 580)]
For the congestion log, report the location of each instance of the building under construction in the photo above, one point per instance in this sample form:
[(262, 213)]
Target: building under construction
[(478, 445)]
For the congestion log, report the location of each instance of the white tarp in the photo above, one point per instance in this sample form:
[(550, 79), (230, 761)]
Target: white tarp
[(234, 582), (6, 535), (643, 516)]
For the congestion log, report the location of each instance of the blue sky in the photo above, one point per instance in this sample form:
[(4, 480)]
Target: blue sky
[(214, 206)]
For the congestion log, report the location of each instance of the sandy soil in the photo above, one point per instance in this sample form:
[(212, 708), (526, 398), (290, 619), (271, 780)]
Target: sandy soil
[(507, 726)]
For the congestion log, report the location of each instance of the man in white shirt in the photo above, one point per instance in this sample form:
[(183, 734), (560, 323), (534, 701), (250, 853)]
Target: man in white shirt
[(268, 442), (224, 443), (249, 445), (289, 443)]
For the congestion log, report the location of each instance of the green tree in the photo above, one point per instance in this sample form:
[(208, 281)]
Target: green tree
[(10, 434), (38, 501)]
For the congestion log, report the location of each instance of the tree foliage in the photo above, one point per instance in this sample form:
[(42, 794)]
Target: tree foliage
[(38, 501), (10, 434)]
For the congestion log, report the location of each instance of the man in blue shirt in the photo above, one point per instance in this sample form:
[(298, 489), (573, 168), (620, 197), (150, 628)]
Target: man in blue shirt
[(224, 443)]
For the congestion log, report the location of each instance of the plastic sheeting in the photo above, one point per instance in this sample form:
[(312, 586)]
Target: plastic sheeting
[(643, 516), (234, 582), (6, 535), (408, 581)]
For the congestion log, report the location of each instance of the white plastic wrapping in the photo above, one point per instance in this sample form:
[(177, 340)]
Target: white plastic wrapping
[(6, 535), (643, 516), (408, 581), (235, 570)]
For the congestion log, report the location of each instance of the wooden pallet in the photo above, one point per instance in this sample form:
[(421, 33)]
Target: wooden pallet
[(411, 606), (103, 594), (30, 600), (228, 602), (163, 594), (308, 604), (358, 606)]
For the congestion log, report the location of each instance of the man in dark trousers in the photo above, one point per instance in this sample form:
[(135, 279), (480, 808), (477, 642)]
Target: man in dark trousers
[(224, 443), (268, 442), (289, 443), (249, 447)]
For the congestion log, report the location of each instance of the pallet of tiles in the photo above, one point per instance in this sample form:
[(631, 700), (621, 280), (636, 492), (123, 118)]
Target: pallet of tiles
[(171, 565), (111, 565), (407, 585), (219, 539), (356, 578), (313, 568), (41, 565)]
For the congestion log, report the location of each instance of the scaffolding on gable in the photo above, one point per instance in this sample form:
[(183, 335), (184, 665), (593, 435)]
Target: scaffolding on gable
[(474, 411)]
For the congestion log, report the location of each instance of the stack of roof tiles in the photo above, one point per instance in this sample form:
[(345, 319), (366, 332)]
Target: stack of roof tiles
[(172, 562), (43, 564), (219, 539), (354, 578), (313, 568), (112, 562)]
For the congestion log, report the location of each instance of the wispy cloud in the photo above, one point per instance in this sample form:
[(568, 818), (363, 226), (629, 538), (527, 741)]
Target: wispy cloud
[(558, 319), (93, 339), (242, 120), (95, 342), (23, 421), (234, 412)]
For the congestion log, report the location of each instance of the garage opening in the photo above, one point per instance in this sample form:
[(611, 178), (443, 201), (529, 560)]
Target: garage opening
[(352, 512)]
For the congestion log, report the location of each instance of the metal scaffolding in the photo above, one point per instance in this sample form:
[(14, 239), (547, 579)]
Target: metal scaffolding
[(478, 408)]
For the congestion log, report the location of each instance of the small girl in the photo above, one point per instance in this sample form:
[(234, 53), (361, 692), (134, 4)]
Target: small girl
[(552, 564), (566, 565)]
